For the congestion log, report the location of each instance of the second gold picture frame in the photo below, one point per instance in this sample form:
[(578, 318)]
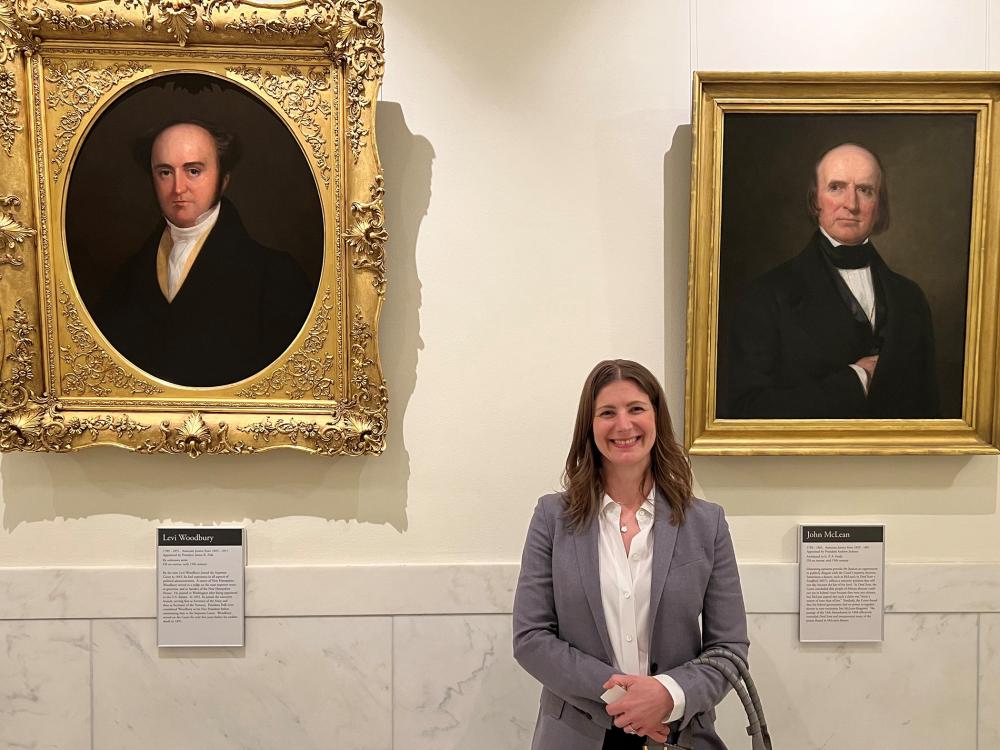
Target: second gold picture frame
[(793, 177)]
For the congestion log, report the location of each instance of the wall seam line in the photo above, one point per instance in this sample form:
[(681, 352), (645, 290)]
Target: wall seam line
[(989, 3), (392, 682), (979, 660), (692, 37), (91, 651)]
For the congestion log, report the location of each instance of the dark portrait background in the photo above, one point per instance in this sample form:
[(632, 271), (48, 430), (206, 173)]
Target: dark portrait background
[(111, 208), (929, 159)]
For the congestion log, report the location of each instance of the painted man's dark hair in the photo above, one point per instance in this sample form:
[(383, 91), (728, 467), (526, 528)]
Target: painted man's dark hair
[(227, 144)]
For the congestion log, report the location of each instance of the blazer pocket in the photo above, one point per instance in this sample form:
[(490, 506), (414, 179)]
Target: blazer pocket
[(706, 719), (552, 705), (678, 564)]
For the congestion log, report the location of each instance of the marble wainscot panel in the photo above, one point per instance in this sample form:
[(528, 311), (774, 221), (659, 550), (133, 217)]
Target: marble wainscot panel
[(942, 587), (917, 690), (456, 685), (282, 591), (272, 591), (303, 683), (431, 589), (84, 592), (989, 682), (45, 685)]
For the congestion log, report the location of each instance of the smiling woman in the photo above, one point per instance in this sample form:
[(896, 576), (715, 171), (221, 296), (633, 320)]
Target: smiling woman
[(624, 429), (590, 613)]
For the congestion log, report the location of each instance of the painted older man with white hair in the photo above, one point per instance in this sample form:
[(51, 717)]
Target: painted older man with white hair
[(834, 333)]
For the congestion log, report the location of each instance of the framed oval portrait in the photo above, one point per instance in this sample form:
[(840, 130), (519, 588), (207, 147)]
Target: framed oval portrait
[(194, 228), (189, 196)]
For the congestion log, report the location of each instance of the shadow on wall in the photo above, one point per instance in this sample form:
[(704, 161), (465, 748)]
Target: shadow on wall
[(40, 487), (676, 208)]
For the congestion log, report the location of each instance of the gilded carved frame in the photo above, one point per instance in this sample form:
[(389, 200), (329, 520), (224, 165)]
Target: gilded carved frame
[(972, 428), (318, 65)]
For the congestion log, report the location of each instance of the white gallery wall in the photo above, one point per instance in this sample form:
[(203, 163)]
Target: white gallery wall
[(537, 162)]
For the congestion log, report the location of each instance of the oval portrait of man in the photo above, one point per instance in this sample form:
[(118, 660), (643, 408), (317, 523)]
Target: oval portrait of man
[(194, 230)]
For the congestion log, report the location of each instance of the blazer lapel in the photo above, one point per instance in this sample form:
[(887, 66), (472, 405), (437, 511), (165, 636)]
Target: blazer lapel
[(590, 574), (664, 541)]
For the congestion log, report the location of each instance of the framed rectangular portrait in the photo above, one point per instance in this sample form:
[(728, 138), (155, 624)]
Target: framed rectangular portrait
[(843, 271), (192, 238)]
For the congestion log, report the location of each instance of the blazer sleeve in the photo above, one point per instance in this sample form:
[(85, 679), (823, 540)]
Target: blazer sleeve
[(572, 674), (724, 623)]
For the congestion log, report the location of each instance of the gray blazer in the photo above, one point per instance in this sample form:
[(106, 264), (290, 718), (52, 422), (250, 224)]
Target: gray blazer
[(561, 637)]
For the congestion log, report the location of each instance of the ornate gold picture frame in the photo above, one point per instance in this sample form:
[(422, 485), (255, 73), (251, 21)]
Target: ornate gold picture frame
[(785, 353), (297, 81)]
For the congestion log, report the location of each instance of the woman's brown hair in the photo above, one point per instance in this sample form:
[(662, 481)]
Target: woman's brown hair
[(668, 464)]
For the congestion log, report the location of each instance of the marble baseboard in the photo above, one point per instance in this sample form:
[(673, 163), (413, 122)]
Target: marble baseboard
[(305, 683), (916, 690), (419, 656), (45, 685), (989, 682), (376, 590), (457, 685), (450, 682)]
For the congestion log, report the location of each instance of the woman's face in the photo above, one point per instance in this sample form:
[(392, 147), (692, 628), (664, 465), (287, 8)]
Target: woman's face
[(624, 424)]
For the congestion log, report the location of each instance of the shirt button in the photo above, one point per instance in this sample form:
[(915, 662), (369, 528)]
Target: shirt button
[(628, 638), (628, 594)]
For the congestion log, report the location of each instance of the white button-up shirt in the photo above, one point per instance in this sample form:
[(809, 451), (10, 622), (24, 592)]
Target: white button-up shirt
[(626, 582)]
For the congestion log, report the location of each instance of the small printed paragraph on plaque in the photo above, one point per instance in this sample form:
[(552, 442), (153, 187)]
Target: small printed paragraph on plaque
[(841, 583), (200, 587)]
